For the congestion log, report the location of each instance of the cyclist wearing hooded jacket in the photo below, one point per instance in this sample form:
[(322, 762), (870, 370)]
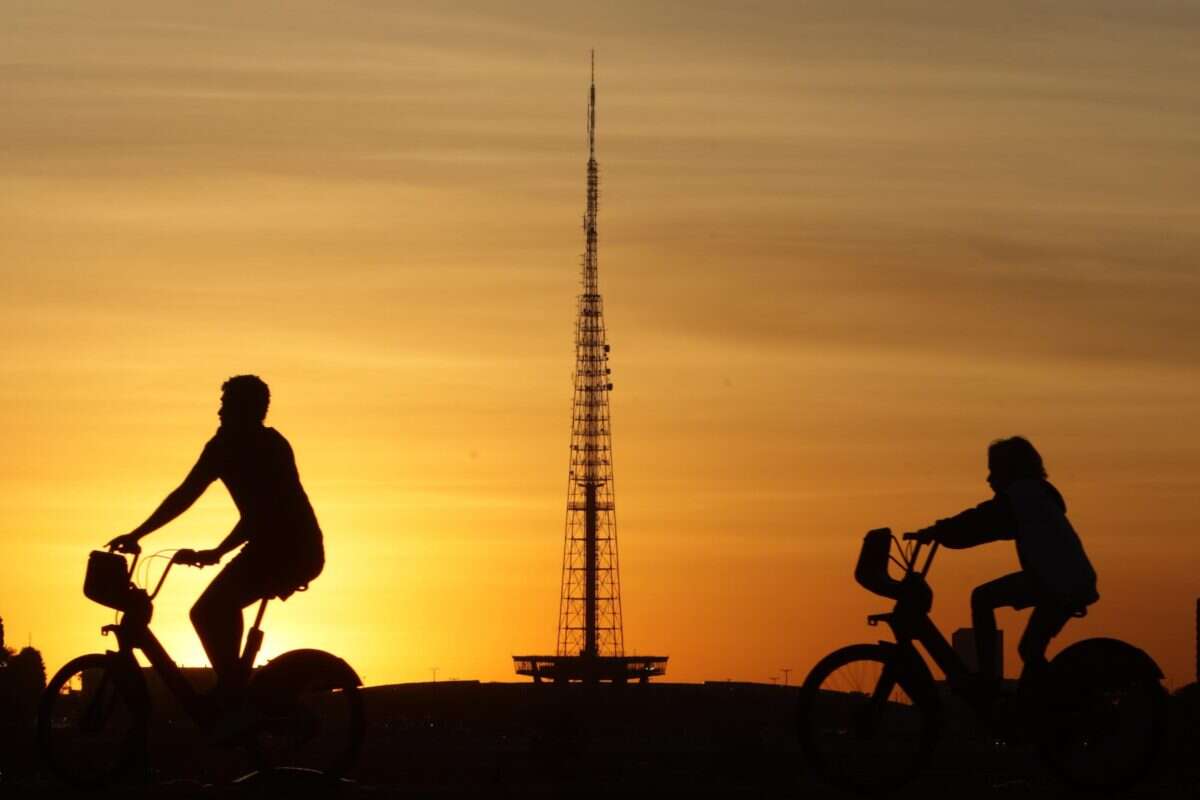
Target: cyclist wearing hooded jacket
[(1056, 577)]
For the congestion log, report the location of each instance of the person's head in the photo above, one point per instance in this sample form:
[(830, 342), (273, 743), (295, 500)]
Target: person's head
[(1012, 459), (244, 401)]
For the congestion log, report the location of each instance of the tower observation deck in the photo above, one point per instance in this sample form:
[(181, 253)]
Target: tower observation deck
[(591, 645)]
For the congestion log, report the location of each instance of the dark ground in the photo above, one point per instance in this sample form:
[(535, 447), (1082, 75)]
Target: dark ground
[(466, 739)]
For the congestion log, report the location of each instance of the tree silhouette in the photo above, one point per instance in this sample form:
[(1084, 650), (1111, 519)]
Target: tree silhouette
[(27, 671), (22, 679)]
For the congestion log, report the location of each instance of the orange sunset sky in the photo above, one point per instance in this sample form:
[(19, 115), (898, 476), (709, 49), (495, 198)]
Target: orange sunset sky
[(842, 247)]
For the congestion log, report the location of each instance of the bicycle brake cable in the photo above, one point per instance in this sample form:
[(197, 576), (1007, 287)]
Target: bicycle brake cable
[(145, 567)]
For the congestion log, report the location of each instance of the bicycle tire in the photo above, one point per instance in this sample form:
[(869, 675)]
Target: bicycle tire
[(311, 714), (92, 721), (855, 743), (1102, 715)]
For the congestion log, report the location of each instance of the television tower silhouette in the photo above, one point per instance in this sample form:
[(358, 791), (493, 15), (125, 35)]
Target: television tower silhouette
[(591, 646)]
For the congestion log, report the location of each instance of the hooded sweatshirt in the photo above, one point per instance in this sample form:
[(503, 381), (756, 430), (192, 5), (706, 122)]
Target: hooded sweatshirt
[(1032, 512)]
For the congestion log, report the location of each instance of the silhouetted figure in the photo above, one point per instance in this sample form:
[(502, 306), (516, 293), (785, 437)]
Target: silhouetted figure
[(283, 545), (1056, 577)]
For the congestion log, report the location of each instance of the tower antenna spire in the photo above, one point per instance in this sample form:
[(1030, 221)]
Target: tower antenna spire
[(592, 111)]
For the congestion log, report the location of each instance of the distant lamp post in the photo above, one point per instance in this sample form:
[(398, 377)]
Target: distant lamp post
[(786, 671)]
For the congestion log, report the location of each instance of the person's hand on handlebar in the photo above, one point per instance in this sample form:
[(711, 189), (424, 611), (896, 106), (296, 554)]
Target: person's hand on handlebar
[(920, 537), (197, 558), (127, 543)]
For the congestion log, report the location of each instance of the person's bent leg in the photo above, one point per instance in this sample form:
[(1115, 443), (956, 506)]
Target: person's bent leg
[(217, 617), (1011, 590), (983, 621), (1044, 624)]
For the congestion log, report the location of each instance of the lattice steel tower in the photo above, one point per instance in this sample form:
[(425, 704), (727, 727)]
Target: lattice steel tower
[(590, 636), (589, 616)]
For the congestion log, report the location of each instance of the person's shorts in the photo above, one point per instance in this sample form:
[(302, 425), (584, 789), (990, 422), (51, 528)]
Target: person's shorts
[(270, 575)]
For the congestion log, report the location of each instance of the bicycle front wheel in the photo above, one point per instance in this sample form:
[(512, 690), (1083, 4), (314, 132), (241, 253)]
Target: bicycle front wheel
[(92, 719), (864, 722)]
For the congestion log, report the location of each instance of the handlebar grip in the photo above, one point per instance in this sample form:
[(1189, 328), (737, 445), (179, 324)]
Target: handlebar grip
[(911, 537)]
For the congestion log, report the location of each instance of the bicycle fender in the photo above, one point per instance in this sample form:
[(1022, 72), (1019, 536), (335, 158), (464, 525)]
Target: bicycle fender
[(296, 668), (1107, 657)]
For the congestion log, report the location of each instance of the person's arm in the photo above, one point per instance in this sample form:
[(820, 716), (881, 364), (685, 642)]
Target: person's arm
[(206, 558), (990, 521), (236, 538), (174, 504)]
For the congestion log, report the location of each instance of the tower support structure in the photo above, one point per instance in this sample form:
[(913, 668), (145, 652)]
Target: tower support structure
[(590, 644)]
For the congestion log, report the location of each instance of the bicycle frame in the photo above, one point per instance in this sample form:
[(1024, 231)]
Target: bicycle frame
[(133, 633), (910, 621)]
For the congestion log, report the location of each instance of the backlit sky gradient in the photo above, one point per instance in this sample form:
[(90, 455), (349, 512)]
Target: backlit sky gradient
[(842, 247)]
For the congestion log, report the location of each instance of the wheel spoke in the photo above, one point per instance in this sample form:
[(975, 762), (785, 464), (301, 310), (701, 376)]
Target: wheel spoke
[(859, 725)]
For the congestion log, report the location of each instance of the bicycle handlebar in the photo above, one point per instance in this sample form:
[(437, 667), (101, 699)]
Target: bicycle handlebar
[(912, 557), (136, 552), (163, 578), (185, 556), (929, 560)]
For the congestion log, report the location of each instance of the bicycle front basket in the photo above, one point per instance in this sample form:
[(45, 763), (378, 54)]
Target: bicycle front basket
[(872, 569), (107, 580)]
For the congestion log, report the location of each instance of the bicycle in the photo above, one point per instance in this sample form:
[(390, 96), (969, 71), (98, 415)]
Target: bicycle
[(869, 715), (301, 709)]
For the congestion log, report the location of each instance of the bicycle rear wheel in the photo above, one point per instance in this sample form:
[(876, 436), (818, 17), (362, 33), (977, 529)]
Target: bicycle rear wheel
[(310, 714), (1103, 715), (92, 719), (864, 723)]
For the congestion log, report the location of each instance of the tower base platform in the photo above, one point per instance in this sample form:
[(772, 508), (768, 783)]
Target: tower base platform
[(591, 669)]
